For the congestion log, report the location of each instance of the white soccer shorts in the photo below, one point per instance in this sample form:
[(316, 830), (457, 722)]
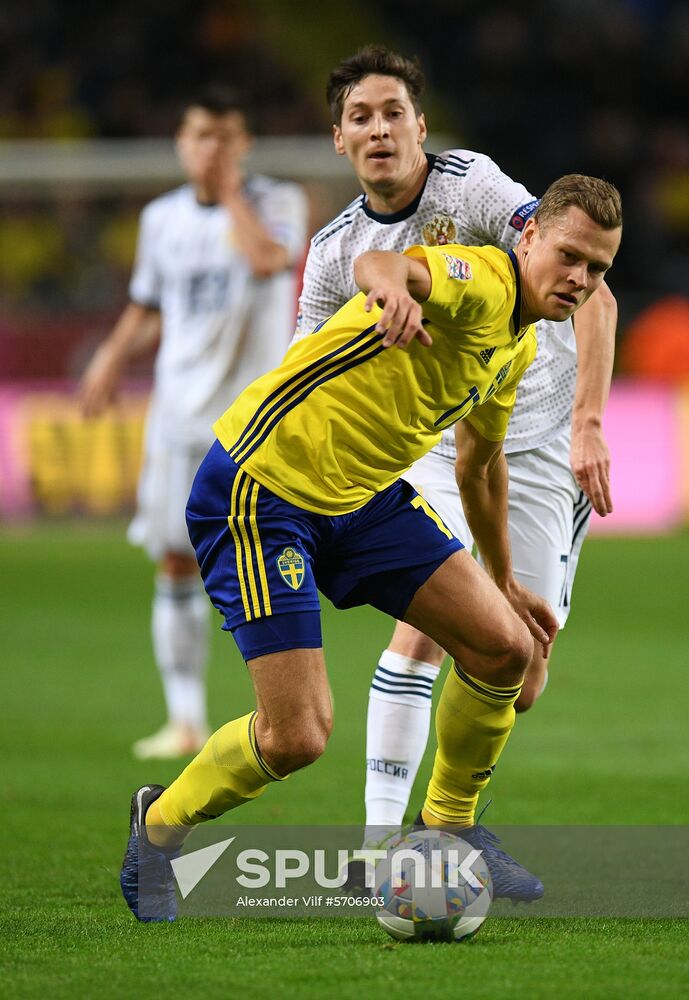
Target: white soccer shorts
[(159, 525), (548, 516)]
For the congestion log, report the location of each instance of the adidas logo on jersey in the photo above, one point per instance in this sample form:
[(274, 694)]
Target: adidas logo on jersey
[(487, 354)]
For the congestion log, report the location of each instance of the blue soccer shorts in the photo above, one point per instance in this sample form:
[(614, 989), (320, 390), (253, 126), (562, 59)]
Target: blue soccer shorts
[(263, 560)]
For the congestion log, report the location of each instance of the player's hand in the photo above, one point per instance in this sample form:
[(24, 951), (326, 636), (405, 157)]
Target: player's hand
[(590, 461), (536, 613), (228, 179), (99, 384), (401, 318)]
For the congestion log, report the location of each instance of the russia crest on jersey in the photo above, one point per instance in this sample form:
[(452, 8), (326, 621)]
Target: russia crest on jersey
[(458, 268), (290, 565), (440, 231)]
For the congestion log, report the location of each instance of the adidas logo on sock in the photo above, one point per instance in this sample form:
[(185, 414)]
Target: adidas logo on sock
[(483, 775)]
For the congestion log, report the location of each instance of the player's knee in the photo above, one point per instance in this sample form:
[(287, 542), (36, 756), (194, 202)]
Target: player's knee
[(299, 751), (532, 688), (299, 745), (527, 698), (179, 565), (513, 655)]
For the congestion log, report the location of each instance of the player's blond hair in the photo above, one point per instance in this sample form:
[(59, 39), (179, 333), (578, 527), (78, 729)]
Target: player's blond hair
[(598, 198)]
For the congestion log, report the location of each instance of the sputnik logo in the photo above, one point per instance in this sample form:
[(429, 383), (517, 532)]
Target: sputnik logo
[(190, 869)]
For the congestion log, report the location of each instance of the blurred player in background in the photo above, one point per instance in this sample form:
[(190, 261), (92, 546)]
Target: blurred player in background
[(557, 457), (214, 283)]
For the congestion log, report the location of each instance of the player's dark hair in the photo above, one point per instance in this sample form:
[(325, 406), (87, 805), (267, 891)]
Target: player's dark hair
[(217, 99), (598, 198), (373, 59)]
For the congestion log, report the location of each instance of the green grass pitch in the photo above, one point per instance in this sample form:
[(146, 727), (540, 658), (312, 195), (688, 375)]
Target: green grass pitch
[(606, 745)]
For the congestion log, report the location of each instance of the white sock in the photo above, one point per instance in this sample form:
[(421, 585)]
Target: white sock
[(399, 719), (180, 645)]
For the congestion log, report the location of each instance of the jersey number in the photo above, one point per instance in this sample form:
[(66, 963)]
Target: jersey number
[(420, 504)]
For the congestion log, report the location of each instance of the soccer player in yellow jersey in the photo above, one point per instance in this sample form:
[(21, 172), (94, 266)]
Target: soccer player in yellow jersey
[(301, 491), (304, 430)]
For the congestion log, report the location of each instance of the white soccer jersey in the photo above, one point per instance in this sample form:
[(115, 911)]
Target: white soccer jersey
[(221, 327), (466, 199)]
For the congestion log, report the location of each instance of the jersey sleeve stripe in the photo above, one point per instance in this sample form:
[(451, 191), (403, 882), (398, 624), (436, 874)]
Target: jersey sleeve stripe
[(451, 169), (455, 158), (346, 216), (296, 382), (317, 240), (290, 402)]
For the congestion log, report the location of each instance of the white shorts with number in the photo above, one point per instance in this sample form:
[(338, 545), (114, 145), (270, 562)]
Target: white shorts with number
[(159, 525), (548, 516)]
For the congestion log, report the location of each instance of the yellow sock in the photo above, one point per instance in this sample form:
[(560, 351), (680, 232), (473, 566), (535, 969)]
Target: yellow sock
[(473, 723), (228, 771)]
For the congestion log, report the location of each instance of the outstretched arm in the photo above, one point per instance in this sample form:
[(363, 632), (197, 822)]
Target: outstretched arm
[(482, 477), (594, 328), (397, 284)]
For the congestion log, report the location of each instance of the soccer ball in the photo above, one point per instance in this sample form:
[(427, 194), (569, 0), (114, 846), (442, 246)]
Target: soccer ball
[(432, 887)]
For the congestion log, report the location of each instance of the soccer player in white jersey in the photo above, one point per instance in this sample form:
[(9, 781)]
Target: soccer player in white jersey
[(557, 457), (214, 282)]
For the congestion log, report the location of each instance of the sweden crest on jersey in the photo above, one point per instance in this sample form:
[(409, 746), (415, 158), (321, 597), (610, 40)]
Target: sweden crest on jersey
[(290, 565)]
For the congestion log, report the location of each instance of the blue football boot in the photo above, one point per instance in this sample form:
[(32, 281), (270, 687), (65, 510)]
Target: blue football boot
[(146, 876), (510, 879)]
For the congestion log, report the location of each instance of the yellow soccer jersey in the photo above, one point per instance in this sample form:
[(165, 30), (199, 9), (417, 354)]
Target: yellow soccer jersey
[(343, 417)]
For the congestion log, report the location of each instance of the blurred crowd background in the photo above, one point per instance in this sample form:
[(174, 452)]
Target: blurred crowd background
[(544, 88)]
